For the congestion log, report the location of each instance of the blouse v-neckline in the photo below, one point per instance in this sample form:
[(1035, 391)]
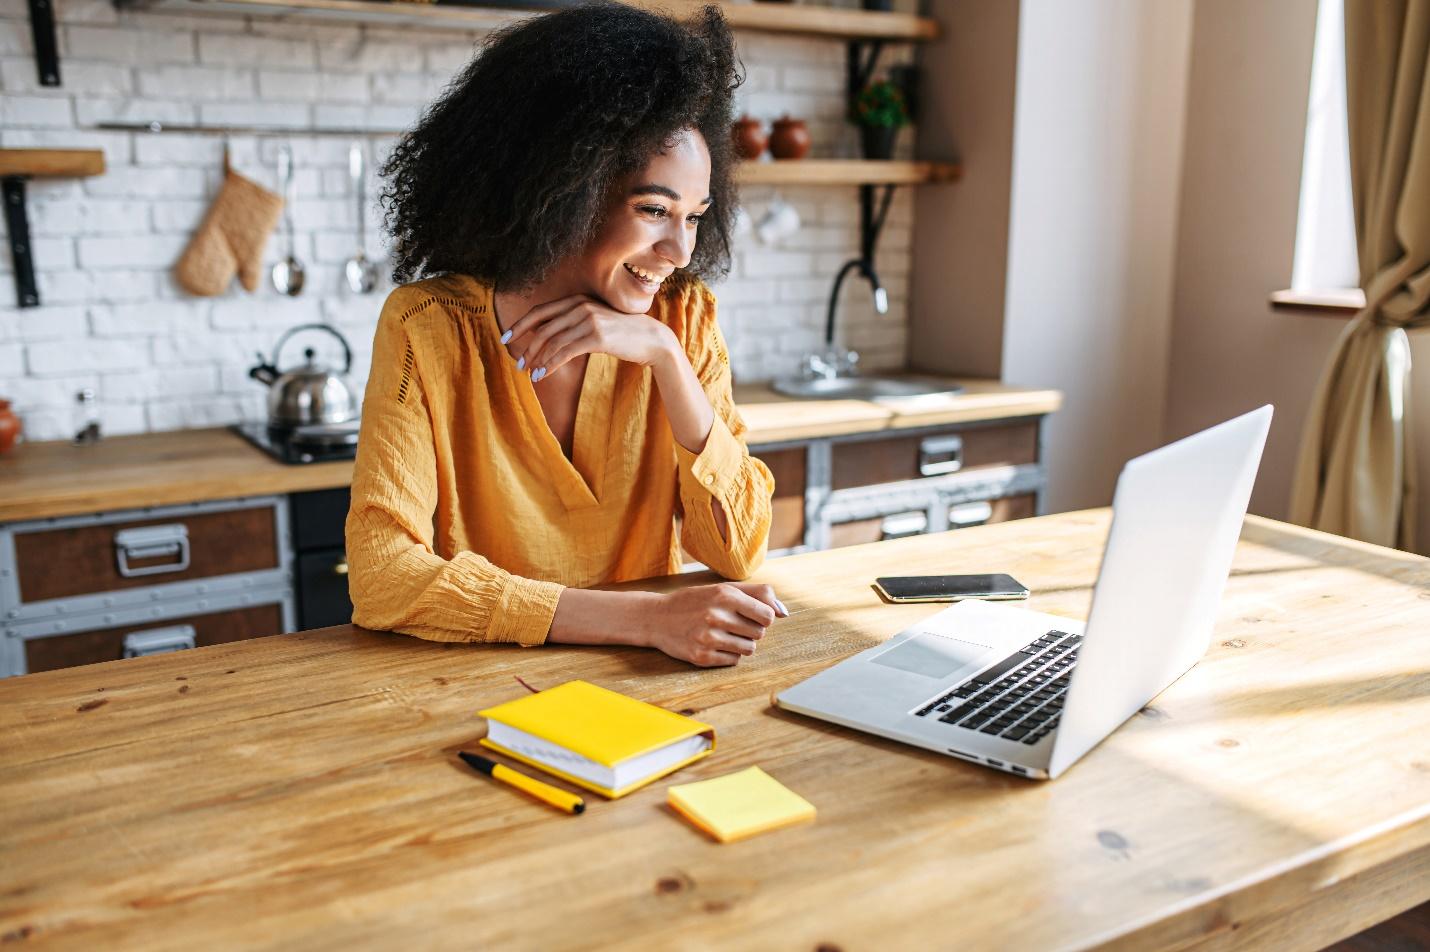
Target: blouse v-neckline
[(577, 478)]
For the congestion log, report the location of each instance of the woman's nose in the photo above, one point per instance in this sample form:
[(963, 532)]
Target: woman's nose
[(677, 244)]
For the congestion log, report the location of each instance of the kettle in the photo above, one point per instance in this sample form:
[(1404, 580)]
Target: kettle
[(310, 393)]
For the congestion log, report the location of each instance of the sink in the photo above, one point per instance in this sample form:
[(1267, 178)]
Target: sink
[(866, 388)]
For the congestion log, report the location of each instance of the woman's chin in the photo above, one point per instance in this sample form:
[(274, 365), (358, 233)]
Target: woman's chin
[(631, 303)]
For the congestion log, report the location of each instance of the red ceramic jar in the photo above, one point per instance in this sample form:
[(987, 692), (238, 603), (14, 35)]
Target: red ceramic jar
[(9, 426), (748, 138), (790, 139)]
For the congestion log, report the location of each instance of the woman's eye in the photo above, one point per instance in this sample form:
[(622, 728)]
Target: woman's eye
[(695, 219), (655, 211)]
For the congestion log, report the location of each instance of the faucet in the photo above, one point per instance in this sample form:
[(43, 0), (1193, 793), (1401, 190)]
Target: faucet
[(834, 362)]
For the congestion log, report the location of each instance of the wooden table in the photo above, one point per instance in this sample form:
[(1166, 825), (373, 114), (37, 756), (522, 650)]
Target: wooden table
[(303, 790)]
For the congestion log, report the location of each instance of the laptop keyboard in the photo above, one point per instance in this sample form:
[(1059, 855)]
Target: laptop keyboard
[(1020, 698)]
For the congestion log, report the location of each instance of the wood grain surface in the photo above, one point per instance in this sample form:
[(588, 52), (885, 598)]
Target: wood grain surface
[(52, 163), (846, 172), (303, 790), (41, 480), (807, 19)]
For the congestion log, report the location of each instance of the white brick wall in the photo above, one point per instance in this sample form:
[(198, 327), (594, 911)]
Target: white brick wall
[(114, 321)]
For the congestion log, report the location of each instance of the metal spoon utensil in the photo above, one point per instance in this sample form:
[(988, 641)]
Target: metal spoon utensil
[(287, 273), (361, 273)]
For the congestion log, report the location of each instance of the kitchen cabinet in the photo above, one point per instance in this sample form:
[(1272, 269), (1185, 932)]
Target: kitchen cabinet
[(83, 589), (866, 487), (320, 562)]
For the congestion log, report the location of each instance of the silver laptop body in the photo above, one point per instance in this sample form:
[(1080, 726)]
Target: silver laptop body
[(1030, 693)]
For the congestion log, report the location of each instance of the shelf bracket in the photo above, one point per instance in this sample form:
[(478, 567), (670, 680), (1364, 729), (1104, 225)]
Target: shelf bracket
[(47, 51), (863, 58), (871, 222), (17, 224)]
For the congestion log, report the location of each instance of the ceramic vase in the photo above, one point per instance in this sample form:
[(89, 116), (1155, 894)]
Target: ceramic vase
[(9, 426), (748, 138), (789, 139)]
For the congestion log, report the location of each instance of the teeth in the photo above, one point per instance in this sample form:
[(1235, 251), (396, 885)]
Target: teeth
[(645, 276)]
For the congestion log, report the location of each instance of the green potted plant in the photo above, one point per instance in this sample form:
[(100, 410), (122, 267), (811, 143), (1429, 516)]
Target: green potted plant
[(881, 110)]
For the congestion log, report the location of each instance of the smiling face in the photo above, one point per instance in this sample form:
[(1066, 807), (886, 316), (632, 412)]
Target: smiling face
[(650, 228)]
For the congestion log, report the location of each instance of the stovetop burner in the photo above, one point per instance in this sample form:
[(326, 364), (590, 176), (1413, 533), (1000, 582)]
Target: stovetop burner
[(314, 444)]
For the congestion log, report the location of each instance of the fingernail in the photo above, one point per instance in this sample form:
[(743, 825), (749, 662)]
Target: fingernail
[(506, 337), (521, 363), (538, 374), (782, 607)]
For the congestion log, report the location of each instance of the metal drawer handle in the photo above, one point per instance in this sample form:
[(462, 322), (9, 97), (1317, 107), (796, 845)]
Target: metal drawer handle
[(939, 455), (903, 525), (158, 640), (970, 514), (152, 542)]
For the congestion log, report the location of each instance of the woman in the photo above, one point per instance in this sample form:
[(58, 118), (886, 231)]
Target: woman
[(542, 408)]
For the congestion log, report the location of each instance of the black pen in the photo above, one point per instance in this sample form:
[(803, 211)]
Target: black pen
[(545, 792)]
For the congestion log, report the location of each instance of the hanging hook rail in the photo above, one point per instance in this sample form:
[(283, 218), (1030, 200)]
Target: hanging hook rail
[(278, 131)]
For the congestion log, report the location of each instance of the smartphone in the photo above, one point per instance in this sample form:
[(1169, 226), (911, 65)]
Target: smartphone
[(950, 588)]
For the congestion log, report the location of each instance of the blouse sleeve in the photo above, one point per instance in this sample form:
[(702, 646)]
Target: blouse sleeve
[(724, 470), (396, 580)]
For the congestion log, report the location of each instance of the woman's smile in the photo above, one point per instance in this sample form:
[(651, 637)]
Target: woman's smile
[(651, 282)]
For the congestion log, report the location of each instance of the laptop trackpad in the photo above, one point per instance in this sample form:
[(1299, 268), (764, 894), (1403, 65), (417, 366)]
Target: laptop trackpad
[(933, 656)]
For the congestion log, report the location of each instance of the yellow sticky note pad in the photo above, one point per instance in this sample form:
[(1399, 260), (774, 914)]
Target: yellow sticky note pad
[(740, 804)]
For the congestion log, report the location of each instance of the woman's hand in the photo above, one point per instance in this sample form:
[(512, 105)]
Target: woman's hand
[(553, 333), (715, 625)]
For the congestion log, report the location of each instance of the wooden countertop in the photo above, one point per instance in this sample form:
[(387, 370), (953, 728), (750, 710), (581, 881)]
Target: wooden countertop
[(41, 480), (304, 791), (774, 418)]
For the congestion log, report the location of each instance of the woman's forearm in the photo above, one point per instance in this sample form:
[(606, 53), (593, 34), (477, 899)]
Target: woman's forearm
[(585, 617), (689, 411), (686, 405)]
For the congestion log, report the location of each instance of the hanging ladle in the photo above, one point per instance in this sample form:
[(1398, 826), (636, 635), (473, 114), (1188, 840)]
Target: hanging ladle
[(287, 273), (362, 273)]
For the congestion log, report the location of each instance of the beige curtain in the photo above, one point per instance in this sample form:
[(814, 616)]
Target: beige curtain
[(1356, 471)]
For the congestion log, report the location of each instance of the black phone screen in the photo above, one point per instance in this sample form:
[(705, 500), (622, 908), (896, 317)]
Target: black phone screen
[(951, 586)]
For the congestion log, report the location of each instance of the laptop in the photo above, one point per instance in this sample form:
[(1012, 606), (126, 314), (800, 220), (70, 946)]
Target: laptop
[(1030, 693)]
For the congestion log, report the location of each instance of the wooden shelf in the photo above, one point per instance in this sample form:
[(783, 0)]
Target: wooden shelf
[(51, 163), (846, 172), (17, 166), (803, 19)]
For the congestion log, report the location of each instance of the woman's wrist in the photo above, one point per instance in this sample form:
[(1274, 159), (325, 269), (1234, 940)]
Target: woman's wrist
[(585, 617)]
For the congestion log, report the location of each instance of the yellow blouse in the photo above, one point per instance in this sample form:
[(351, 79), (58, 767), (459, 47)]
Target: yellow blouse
[(467, 519)]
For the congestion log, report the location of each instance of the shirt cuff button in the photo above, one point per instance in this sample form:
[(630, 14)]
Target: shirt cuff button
[(709, 479)]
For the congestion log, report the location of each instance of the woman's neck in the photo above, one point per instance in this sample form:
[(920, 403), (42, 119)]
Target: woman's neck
[(512, 305)]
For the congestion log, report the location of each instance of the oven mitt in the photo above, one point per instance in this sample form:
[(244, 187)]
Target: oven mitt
[(231, 238)]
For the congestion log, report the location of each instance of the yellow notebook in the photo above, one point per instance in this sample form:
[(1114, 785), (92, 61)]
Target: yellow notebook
[(740, 804), (595, 738)]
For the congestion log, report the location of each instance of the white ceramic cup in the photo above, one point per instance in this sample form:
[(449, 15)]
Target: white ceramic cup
[(779, 221)]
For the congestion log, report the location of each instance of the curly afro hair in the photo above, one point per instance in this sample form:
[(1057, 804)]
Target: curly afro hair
[(510, 170)]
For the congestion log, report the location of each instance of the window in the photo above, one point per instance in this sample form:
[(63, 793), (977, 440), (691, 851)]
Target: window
[(1325, 257)]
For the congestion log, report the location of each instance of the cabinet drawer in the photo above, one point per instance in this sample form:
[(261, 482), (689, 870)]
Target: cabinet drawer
[(107, 644), (869, 462), (79, 560), (859, 531)]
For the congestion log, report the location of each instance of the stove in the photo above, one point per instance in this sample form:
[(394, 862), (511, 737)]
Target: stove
[(318, 443)]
